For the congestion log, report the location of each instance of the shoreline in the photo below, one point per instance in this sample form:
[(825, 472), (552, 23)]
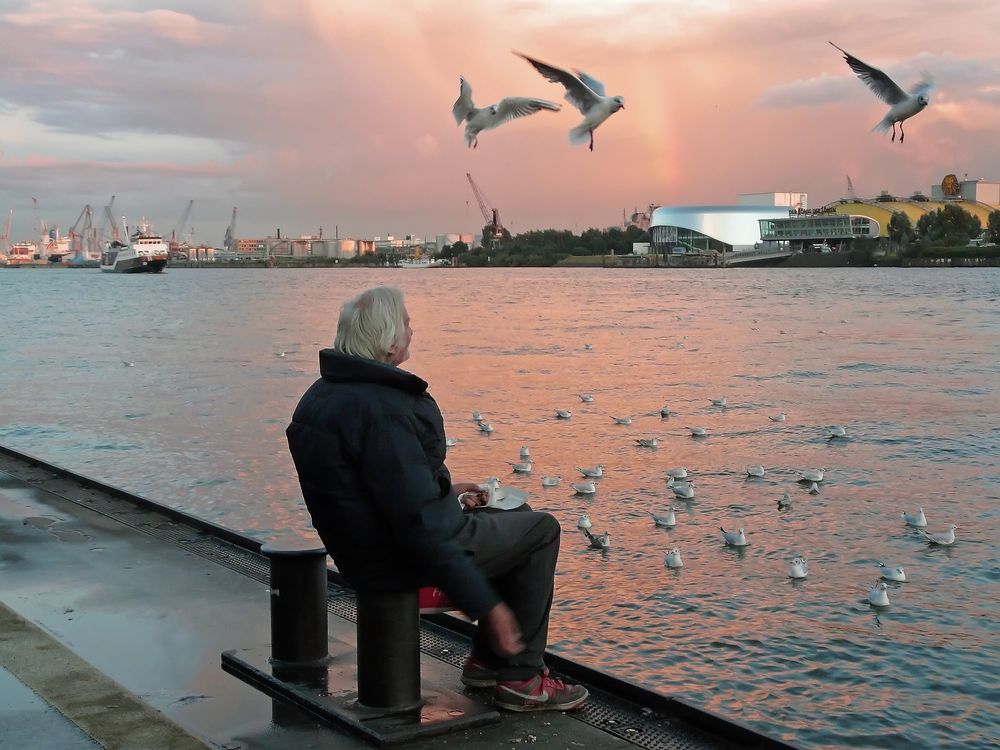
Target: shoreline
[(809, 260)]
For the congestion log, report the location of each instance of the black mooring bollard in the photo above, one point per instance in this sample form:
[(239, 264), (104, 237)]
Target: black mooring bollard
[(299, 632), (388, 650)]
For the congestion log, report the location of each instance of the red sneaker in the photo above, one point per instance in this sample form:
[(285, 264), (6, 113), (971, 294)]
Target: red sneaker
[(541, 693), (433, 600)]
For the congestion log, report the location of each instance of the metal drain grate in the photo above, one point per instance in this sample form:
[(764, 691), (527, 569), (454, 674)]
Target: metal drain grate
[(630, 722)]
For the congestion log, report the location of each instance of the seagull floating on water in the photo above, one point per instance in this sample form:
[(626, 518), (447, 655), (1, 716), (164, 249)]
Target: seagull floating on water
[(799, 568), (878, 594), (683, 490), (785, 502), (678, 473), (592, 471), (584, 93), (673, 559), (667, 520), (734, 538), (588, 347), (918, 519), (647, 442), (525, 451), (665, 411), (943, 538), (583, 488), (891, 574), (812, 475), (477, 417), (521, 468), (777, 417), (563, 414), (622, 420), (698, 431), (548, 481), (486, 118), (601, 541), (280, 354), (837, 431), (127, 363), (485, 427), (718, 401), (584, 522), (903, 105), (586, 398), (756, 472), (450, 442)]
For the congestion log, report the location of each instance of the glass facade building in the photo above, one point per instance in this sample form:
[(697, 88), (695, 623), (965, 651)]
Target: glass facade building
[(709, 229)]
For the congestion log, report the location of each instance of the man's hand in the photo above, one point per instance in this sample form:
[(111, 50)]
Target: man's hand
[(471, 494), (502, 631)]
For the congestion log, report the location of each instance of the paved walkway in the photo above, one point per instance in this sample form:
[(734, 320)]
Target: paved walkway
[(112, 637), (57, 700)]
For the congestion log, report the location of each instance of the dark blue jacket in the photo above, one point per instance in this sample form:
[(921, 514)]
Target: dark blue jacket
[(369, 447)]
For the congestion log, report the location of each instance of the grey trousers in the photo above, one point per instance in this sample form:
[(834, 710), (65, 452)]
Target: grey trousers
[(517, 551)]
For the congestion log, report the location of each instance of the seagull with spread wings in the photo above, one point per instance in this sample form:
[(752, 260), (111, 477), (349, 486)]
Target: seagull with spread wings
[(903, 105), (584, 93), (476, 120)]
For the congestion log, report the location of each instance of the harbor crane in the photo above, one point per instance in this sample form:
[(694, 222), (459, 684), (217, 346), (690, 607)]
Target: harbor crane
[(108, 223), (491, 216), (230, 241), (83, 241), (5, 237), (177, 236)]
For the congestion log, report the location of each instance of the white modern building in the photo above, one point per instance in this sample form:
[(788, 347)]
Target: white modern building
[(709, 230)]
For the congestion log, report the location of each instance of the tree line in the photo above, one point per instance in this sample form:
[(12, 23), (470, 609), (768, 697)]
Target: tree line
[(543, 247), (949, 226)]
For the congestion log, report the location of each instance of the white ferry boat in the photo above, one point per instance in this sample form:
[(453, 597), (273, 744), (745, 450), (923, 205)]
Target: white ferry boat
[(145, 252)]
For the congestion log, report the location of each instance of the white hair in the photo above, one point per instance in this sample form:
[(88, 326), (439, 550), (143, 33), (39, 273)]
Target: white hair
[(371, 323)]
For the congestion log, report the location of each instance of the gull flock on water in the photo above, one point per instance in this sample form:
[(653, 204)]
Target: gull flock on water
[(681, 483)]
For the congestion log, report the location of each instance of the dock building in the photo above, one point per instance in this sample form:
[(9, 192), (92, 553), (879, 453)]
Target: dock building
[(771, 225)]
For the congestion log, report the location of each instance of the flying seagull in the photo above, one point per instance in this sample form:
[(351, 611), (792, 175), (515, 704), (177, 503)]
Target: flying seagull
[(476, 120), (584, 93), (902, 105)]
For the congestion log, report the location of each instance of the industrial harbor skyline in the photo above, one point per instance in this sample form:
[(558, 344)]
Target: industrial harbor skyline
[(309, 118)]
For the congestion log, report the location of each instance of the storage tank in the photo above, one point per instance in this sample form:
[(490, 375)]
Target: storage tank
[(443, 240)]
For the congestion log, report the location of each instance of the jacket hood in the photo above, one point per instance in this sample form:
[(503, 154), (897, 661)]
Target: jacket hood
[(336, 367)]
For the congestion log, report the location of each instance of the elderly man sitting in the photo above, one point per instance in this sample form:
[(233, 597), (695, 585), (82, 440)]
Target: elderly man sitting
[(368, 444)]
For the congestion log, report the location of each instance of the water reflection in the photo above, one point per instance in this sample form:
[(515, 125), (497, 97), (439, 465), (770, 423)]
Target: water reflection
[(206, 404)]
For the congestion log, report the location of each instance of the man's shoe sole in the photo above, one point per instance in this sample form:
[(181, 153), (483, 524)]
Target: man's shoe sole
[(482, 682)]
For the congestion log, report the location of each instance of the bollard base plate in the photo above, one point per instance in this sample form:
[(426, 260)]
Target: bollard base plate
[(328, 692)]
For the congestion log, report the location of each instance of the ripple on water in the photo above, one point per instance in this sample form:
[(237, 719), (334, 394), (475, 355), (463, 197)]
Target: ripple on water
[(807, 661)]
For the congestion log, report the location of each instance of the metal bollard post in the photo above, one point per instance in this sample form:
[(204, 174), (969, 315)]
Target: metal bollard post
[(299, 632), (388, 650)]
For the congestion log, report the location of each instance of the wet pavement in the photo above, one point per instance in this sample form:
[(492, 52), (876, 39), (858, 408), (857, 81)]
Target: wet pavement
[(124, 610), (29, 723)]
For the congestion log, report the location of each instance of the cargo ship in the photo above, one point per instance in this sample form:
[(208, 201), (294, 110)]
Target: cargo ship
[(144, 252)]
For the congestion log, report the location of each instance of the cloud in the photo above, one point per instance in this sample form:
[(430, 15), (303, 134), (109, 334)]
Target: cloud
[(310, 112), (956, 78), (821, 89)]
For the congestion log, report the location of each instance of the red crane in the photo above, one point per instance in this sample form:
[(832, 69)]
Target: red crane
[(490, 215)]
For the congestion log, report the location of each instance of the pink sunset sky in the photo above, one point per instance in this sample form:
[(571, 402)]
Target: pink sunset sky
[(309, 113)]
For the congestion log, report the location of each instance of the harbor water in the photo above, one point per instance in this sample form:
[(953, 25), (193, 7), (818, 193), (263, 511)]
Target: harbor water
[(179, 386)]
